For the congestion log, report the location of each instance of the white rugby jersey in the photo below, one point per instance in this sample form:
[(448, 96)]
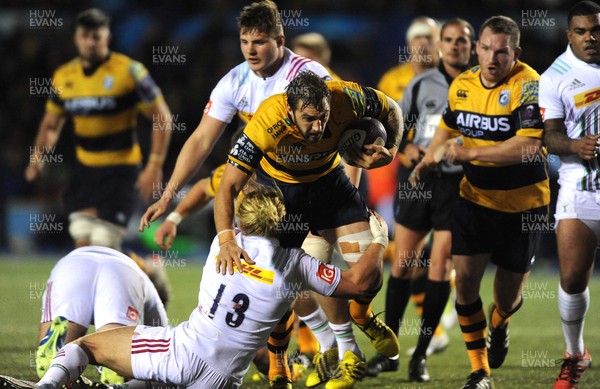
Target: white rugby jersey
[(241, 91), (570, 89), (89, 283), (237, 312)]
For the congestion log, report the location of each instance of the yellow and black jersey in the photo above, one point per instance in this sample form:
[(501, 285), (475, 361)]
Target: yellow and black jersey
[(104, 107), (215, 179), (394, 81), (272, 141), (488, 116)]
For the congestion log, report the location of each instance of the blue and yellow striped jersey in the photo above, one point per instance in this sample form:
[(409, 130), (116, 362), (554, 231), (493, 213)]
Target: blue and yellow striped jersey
[(488, 116), (104, 106)]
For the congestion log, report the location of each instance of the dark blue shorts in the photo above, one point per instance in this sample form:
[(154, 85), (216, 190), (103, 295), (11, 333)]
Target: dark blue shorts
[(429, 204), (329, 202), (509, 237), (111, 190)]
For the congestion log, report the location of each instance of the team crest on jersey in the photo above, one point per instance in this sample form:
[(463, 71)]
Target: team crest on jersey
[(504, 98), (108, 82), (326, 273), (132, 313)]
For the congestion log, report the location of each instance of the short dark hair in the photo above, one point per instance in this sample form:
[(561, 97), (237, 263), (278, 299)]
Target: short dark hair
[(261, 16), (459, 22), (92, 19), (501, 24), (309, 88), (583, 8)]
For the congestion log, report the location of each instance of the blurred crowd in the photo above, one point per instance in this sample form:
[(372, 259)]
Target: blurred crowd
[(36, 37)]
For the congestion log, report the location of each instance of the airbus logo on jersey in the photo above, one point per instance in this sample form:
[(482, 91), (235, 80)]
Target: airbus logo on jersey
[(87, 105), (474, 125)]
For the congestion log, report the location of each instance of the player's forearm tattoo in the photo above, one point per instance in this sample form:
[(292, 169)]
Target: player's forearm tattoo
[(396, 126), (556, 140)]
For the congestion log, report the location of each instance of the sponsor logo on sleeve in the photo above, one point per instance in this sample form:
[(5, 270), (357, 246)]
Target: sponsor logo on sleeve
[(326, 273)]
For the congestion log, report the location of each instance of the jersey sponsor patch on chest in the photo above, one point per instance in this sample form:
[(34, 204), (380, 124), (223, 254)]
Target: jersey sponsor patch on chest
[(587, 98)]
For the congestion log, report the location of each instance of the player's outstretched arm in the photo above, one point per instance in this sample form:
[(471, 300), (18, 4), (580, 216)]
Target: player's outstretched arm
[(151, 176), (194, 200), (230, 253), (192, 156), (47, 136)]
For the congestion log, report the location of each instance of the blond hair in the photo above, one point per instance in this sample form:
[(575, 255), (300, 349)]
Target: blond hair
[(260, 211)]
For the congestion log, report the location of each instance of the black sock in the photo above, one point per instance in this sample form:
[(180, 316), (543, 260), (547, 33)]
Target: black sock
[(396, 300), (436, 297)]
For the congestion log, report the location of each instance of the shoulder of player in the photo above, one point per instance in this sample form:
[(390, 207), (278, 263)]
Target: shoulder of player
[(69, 67), (430, 75), (559, 68), (236, 76)]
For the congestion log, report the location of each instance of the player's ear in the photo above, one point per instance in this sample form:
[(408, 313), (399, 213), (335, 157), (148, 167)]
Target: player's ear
[(280, 40), (517, 53), (290, 110)]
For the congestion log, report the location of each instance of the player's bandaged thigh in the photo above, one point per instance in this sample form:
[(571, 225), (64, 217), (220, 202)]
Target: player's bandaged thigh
[(319, 248), (81, 225), (352, 246), (107, 234)]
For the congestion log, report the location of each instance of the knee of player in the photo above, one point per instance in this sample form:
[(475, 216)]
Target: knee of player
[(81, 226), (318, 247), (107, 234), (353, 246)]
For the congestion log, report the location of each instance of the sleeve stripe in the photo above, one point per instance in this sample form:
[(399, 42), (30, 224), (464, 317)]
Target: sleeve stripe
[(297, 67), (240, 166)]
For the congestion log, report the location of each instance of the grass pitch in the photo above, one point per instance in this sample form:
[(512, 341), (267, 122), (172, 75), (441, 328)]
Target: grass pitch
[(536, 336)]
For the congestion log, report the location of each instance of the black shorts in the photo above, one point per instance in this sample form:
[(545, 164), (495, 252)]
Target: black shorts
[(481, 230), (111, 190), (329, 202), (429, 204)]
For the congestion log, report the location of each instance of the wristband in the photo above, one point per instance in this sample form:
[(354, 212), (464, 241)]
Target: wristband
[(224, 232), (156, 158), (175, 217)]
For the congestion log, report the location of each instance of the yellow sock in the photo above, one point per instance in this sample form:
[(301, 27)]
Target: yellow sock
[(473, 326), (418, 300), (306, 340), (278, 345), (360, 312)]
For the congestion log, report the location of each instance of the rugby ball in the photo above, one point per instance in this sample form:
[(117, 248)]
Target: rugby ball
[(365, 131)]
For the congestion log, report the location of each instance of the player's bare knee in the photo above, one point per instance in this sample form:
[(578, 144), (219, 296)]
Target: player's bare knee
[(107, 235), (352, 246), (80, 227), (319, 248)]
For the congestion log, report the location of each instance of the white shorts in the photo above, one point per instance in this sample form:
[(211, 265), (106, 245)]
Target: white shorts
[(581, 205), (172, 355), (99, 293)]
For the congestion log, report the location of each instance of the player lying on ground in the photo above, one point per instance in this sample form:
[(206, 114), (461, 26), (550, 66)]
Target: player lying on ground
[(235, 313), (99, 286)]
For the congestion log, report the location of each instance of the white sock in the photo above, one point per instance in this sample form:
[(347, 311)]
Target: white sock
[(345, 339), (68, 364), (317, 322), (572, 308)]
